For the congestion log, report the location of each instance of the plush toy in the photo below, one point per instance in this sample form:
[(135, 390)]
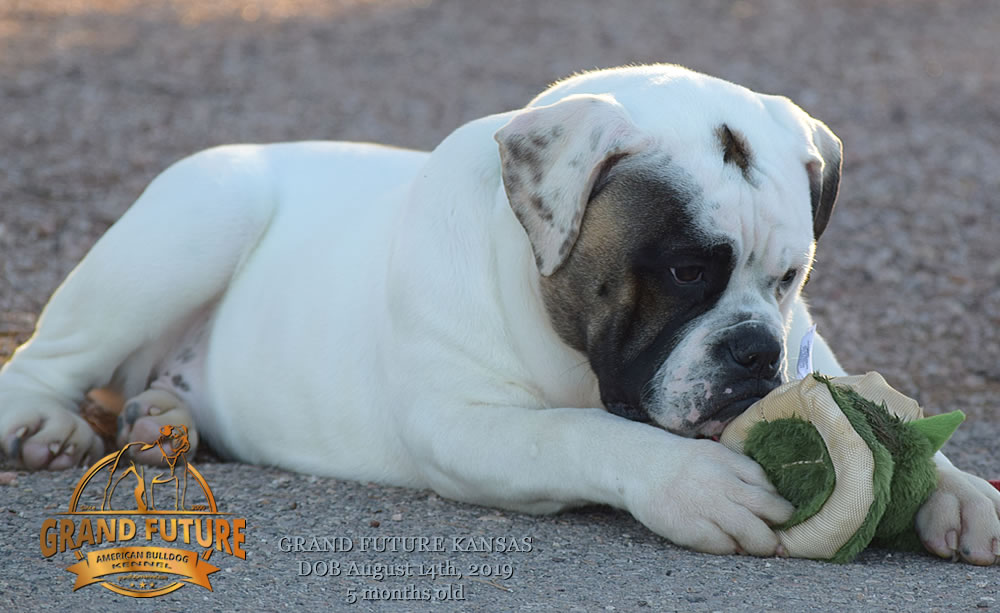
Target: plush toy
[(853, 455)]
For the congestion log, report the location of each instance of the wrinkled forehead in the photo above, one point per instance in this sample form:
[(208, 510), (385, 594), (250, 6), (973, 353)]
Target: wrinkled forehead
[(766, 217), (659, 197), (676, 104), (745, 152)]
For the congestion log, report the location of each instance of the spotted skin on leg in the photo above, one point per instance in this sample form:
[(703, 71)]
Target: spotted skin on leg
[(144, 416)]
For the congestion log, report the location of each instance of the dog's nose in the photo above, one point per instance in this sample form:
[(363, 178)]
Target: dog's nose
[(757, 352)]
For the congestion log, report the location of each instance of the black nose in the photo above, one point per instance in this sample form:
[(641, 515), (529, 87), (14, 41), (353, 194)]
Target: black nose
[(757, 352)]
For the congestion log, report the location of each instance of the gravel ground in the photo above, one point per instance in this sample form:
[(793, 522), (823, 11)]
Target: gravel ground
[(97, 97)]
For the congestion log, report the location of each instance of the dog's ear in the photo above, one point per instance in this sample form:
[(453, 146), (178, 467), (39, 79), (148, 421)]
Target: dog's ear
[(824, 175), (551, 157)]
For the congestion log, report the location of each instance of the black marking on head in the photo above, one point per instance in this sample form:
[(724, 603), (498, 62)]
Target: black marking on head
[(604, 173), (613, 300), (824, 177), (522, 151), (595, 138), (542, 140), (823, 188), (513, 183), (735, 149), (180, 383), (571, 235), (544, 211)]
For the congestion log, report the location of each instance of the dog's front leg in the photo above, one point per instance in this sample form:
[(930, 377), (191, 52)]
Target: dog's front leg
[(696, 493), (961, 519)]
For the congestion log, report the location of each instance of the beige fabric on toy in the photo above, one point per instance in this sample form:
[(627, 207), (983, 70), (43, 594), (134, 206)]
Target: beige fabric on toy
[(823, 534)]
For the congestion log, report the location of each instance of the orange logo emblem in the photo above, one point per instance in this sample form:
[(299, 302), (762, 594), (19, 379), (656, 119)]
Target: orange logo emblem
[(119, 501)]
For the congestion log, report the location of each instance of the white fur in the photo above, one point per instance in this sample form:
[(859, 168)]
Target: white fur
[(375, 314)]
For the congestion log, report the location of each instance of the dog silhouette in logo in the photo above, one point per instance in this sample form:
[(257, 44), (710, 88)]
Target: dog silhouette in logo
[(173, 443)]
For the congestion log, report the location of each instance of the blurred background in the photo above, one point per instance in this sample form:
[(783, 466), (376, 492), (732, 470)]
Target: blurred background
[(97, 97)]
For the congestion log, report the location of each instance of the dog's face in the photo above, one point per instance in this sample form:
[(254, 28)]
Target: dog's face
[(671, 246)]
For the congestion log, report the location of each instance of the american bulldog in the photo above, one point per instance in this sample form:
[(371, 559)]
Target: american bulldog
[(559, 305)]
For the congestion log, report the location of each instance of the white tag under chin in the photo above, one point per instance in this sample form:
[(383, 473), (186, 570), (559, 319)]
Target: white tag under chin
[(804, 368)]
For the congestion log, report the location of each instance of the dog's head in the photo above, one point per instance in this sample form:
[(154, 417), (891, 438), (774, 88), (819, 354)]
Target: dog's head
[(673, 219)]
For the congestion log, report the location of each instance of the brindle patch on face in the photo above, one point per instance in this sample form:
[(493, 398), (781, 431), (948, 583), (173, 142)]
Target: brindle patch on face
[(615, 298), (735, 149)]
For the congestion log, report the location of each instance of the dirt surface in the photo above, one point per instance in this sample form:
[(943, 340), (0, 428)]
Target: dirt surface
[(97, 97)]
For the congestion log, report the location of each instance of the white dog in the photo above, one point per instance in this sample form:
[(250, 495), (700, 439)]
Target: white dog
[(556, 306)]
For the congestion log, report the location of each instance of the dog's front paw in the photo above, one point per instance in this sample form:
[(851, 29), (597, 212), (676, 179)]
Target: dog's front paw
[(38, 433), (961, 519), (712, 500)]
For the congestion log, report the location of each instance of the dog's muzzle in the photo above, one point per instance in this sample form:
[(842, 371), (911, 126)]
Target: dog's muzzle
[(750, 357)]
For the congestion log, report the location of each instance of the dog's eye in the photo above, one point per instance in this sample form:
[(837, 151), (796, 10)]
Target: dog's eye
[(687, 275)]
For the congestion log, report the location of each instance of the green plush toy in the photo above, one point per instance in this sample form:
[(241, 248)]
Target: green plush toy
[(854, 457)]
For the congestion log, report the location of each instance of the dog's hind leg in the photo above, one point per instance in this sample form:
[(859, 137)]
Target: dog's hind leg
[(143, 419), (168, 258)]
